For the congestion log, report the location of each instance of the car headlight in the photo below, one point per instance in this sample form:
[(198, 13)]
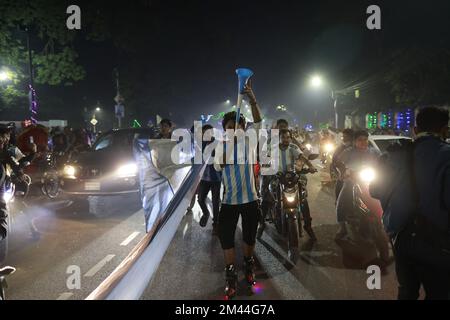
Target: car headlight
[(69, 171), (329, 147), (128, 170), (367, 175)]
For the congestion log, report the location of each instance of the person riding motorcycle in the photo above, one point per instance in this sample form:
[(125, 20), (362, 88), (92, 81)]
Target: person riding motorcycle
[(79, 145), (347, 142), (13, 157), (289, 155), (348, 163), (326, 145)]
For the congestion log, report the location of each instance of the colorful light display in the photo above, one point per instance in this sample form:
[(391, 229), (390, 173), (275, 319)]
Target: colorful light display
[(372, 120), (409, 115), (390, 116)]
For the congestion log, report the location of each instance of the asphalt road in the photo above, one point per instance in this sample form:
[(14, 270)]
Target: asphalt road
[(96, 236)]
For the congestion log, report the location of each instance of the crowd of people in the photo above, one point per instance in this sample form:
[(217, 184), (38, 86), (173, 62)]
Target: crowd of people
[(243, 197), (412, 214)]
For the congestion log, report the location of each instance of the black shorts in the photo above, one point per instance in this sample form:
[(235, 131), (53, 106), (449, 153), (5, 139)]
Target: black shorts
[(228, 219)]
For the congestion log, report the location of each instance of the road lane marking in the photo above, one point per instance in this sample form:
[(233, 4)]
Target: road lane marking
[(65, 296), (99, 265), (186, 226), (130, 238)]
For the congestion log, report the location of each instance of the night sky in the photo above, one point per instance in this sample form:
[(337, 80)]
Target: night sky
[(185, 53)]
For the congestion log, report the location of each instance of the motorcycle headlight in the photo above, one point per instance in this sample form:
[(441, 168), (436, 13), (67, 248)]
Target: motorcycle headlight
[(290, 197), (367, 175), (69, 171), (308, 146), (126, 171), (329, 147)]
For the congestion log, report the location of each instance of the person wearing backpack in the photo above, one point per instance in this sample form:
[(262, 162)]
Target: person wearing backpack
[(415, 196)]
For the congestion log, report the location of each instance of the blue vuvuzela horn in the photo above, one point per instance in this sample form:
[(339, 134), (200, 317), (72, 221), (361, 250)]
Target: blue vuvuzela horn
[(243, 75)]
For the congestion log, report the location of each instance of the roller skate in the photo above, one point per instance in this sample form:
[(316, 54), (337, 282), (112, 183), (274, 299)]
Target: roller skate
[(231, 280), (249, 266)]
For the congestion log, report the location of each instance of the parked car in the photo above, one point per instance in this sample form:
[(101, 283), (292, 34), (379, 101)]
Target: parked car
[(108, 168), (381, 142)]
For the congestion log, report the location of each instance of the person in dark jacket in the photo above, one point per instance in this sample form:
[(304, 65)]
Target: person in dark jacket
[(347, 142), (432, 180)]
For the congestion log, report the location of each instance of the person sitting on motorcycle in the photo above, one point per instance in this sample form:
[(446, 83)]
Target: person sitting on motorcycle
[(286, 142), (325, 140), (80, 143), (347, 142), (305, 205), (289, 156), (12, 156), (348, 163), (59, 141)]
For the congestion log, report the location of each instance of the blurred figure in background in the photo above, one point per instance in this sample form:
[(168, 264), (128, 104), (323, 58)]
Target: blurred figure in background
[(165, 129), (211, 181)]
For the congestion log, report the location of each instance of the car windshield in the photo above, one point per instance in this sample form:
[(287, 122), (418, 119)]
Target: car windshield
[(103, 143), (126, 138), (119, 139), (383, 144)]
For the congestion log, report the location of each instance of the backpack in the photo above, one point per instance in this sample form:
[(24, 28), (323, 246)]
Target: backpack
[(394, 186)]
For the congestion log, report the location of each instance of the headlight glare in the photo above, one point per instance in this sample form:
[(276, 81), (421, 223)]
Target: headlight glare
[(69, 171), (367, 175), (128, 170), (329, 147)]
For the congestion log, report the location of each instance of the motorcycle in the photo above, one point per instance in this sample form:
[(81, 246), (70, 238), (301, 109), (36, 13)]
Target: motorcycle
[(326, 152), (14, 187), (362, 243), (50, 181), (4, 272), (289, 192)]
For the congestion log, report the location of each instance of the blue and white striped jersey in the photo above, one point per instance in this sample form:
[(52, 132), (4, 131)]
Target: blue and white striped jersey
[(238, 179), (287, 158)]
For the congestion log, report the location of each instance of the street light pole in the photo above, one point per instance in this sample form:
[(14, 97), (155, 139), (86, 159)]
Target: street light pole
[(335, 101), (317, 82), (119, 108), (31, 92)]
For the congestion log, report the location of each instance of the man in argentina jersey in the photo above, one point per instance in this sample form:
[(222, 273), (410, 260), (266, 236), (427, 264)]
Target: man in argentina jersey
[(240, 196), (289, 153)]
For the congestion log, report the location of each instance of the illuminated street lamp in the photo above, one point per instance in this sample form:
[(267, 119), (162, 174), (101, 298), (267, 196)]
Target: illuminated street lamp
[(228, 102), (5, 75), (316, 82), (281, 108)]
